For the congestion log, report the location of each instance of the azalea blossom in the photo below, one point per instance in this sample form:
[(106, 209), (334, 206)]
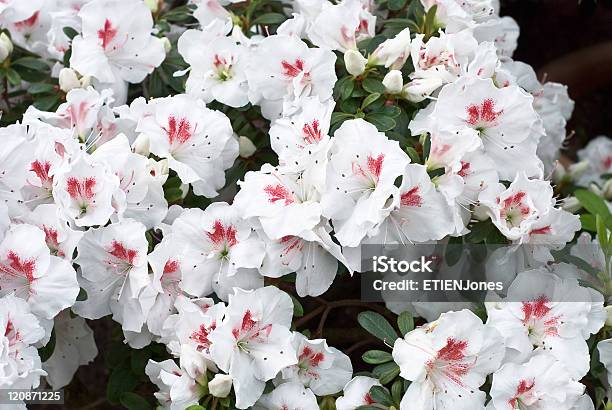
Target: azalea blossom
[(357, 393), (290, 396), (447, 361)]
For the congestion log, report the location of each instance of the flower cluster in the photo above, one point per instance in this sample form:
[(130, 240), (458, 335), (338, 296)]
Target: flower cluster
[(282, 138)]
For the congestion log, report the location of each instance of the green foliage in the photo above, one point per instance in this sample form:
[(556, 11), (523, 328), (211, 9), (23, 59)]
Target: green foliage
[(377, 326)]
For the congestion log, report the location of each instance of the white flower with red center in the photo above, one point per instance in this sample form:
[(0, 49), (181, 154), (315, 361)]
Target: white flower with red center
[(218, 69), (159, 296), (60, 238), (191, 328), (301, 139), (361, 173), (253, 343), (357, 393), (47, 160), (447, 361), (31, 31), (84, 192), (283, 68), (220, 247), (421, 213), (504, 119), (113, 266), (598, 155), (65, 14), (547, 313), (141, 194), (116, 43), (284, 202), (525, 213), (540, 383), (288, 396), (445, 57), (312, 255), (19, 330), (394, 52), (605, 356), (74, 346), (323, 369), (198, 142), (46, 282), (177, 390), (341, 26)]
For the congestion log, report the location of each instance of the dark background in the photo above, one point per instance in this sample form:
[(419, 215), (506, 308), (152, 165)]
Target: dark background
[(571, 42)]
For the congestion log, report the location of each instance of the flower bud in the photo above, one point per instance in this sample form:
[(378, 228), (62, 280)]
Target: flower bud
[(393, 82), (609, 312), (153, 5), (68, 79), (559, 173), (246, 148), (419, 89), (184, 190), (607, 190), (355, 63), (167, 45), (595, 189), (220, 385), (85, 81), (141, 145), (571, 204), (576, 170), (6, 47)]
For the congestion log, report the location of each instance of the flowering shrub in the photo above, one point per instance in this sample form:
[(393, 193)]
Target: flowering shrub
[(206, 173)]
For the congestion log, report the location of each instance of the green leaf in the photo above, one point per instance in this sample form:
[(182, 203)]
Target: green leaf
[(397, 4), (121, 380), (41, 88), (340, 116), (269, 18), (46, 351), (195, 407), (381, 395), (414, 155), (369, 100), (13, 77), (346, 88), (405, 322), (139, 359), (378, 326), (298, 309), (373, 85), (386, 372), (70, 32), (31, 63), (376, 357), (479, 231), (595, 205), (397, 390), (133, 401), (430, 20), (47, 102), (588, 222), (382, 122)]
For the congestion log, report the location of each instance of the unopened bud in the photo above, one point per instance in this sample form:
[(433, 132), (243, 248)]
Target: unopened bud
[(393, 82), (246, 148), (571, 204), (419, 89), (607, 190), (609, 318), (85, 81), (68, 79), (558, 173), (355, 63), (595, 189), (167, 45), (141, 145), (153, 5), (576, 170), (220, 385), (6, 47)]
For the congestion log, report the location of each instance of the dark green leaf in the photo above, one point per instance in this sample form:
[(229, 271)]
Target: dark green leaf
[(376, 357), (479, 231), (397, 390), (340, 116), (386, 372), (382, 122), (41, 88), (413, 154), (46, 351), (595, 205), (139, 360), (13, 77), (269, 18), (70, 32), (298, 309), (381, 395), (378, 326), (397, 4), (373, 85), (31, 63), (369, 100), (588, 222), (121, 380), (133, 401), (47, 102), (405, 322)]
